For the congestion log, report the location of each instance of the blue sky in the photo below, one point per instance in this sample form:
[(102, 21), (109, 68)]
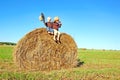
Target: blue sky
[(92, 23)]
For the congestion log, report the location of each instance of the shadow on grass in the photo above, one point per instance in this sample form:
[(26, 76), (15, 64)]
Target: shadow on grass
[(80, 63)]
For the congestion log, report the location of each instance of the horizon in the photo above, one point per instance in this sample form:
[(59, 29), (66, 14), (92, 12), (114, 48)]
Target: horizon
[(94, 24), (82, 48)]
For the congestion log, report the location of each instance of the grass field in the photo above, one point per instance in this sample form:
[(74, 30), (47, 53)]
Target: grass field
[(94, 65)]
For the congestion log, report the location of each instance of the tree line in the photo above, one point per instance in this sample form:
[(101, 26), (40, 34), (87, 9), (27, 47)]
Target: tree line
[(7, 43)]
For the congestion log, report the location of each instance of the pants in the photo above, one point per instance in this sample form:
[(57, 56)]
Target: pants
[(56, 34), (50, 30)]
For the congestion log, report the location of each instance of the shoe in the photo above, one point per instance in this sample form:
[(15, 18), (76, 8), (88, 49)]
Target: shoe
[(58, 41)]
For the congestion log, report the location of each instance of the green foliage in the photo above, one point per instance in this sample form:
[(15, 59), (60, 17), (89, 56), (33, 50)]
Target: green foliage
[(7, 43), (97, 65)]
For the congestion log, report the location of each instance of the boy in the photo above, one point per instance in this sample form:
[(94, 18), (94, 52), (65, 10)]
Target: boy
[(49, 26), (56, 25)]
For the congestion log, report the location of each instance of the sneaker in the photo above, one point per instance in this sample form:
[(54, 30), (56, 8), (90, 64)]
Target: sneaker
[(56, 41), (59, 41)]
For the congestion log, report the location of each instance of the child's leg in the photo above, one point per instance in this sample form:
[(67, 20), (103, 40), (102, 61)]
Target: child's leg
[(55, 34), (51, 31), (58, 35)]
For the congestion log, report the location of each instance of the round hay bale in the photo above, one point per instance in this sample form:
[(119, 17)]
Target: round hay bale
[(38, 51)]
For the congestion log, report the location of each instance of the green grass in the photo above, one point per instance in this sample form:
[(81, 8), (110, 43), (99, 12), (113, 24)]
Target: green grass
[(97, 65), (6, 52), (95, 56)]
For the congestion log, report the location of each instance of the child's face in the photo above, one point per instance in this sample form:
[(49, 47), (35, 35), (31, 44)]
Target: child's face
[(57, 20)]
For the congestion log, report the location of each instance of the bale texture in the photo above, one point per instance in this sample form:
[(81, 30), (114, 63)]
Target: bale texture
[(38, 51)]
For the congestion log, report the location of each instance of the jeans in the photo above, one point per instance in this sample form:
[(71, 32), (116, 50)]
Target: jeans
[(49, 29)]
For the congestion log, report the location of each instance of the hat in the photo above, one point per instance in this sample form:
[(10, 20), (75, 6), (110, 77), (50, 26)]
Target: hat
[(56, 18), (40, 18)]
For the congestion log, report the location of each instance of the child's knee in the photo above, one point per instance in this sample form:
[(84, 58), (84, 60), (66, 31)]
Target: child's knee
[(58, 33)]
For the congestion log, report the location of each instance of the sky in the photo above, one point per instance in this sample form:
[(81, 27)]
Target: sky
[(93, 24)]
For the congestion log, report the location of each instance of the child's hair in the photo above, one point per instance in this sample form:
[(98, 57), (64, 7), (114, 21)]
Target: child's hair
[(56, 18), (48, 19)]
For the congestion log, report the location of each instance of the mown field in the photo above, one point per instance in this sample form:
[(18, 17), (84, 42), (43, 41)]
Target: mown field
[(94, 65)]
